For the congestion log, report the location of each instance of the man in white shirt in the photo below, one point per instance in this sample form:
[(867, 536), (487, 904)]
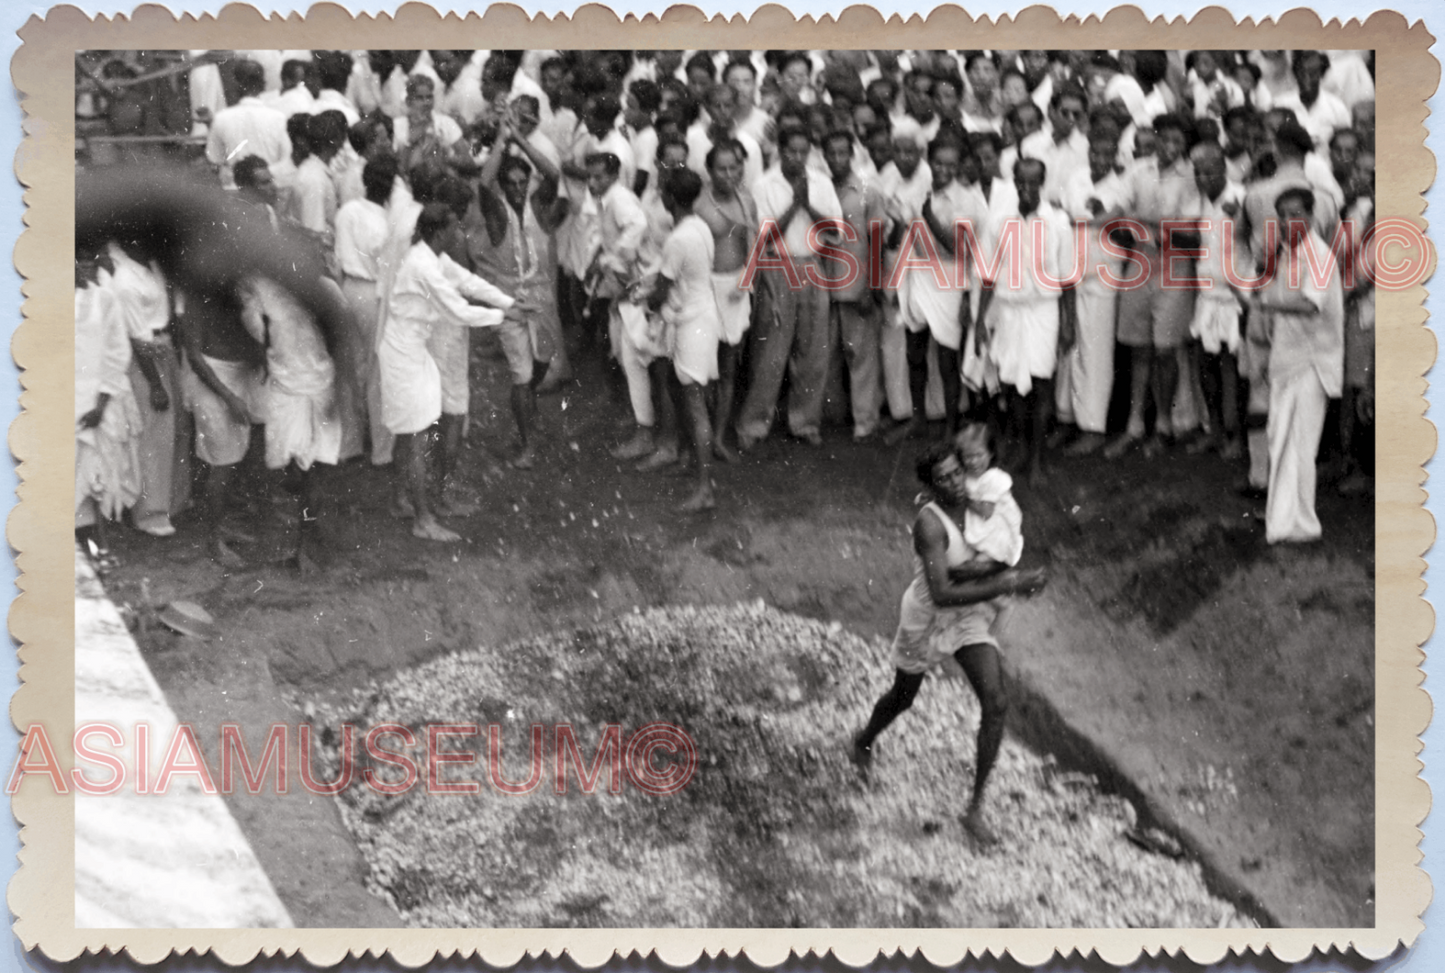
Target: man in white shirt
[(1318, 111), (1306, 368), (333, 71), (424, 134), (791, 331), (1027, 327), (248, 127), (460, 96), (295, 96), (429, 289), (362, 230), (1086, 373), (904, 184), (313, 197), (683, 295)]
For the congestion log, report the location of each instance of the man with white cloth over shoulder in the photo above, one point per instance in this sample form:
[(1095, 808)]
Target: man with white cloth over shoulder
[(429, 288)]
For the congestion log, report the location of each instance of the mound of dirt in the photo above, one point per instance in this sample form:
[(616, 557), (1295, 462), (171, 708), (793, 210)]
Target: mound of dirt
[(773, 828)]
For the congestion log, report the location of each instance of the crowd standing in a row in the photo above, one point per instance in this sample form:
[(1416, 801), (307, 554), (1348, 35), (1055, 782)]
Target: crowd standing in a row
[(724, 227)]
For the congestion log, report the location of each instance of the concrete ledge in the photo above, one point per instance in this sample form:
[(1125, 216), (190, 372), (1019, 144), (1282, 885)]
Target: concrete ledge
[(173, 860)]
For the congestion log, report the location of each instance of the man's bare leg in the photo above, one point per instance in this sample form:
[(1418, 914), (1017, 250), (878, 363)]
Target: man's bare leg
[(449, 435), (524, 411), (1166, 385), (411, 467), (695, 403), (917, 424), (981, 664), (889, 707), (665, 451), (1039, 403), (727, 382), (218, 489), (310, 551), (1140, 370), (948, 369)]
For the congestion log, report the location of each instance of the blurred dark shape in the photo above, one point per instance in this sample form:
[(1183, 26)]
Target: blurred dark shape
[(204, 239)]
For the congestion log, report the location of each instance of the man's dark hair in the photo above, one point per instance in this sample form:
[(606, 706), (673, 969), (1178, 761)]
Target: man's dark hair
[(378, 177), (740, 62), (1069, 89), (605, 107), (682, 186), (725, 145), (333, 69), (1302, 193), (647, 93), (787, 136), (664, 142), (250, 77), (972, 57), (293, 72), (426, 179), (513, 163), (455, 192), (838, 134), (1238, 113), (703, 61), (1031, 162), (326, 130), (244, 171), (434, 217), (975, 139), (928, 459), (1299, 57), (1292, 135), (607, 160)]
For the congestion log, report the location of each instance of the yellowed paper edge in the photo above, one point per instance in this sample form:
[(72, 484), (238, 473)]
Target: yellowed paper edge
[(41, 894)]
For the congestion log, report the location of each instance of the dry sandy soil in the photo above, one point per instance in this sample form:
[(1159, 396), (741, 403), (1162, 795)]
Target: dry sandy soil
[(1221, 688)]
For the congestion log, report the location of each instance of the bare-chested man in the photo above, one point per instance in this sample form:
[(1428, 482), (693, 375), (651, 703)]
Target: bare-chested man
[(730, 213)]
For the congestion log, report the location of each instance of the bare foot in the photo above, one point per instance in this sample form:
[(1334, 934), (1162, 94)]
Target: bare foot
[(1122, 445), (226, 557), (977, 829), (1088, 442), (702, 499), (1232, 449), (663, 456), (401, 508), (524, 460), (980, 832), (638, 446), (454, 506), (911, 429), (429, 530), (862, 759), (724, 453)]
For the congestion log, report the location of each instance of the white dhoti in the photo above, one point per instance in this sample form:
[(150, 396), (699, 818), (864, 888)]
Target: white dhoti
[(107, 464), (411, 388), (358, 388), (734, 306), (1297, 406), (1086, 373), (302, 425), (926, 305), (694, 349), (1025, 341), (635, 344)]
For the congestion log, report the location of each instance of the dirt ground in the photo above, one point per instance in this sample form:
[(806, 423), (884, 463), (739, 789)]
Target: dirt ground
[(1225, 685)]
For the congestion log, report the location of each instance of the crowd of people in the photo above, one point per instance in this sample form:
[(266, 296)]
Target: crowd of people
[(959, 235)]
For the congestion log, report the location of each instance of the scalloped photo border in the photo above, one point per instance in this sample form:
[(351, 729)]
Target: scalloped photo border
[(41, 894)]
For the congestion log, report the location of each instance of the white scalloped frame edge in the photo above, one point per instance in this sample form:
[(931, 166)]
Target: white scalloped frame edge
[(41, 618)]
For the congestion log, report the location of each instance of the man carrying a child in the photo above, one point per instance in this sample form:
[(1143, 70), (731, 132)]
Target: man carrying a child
[(966, 541)]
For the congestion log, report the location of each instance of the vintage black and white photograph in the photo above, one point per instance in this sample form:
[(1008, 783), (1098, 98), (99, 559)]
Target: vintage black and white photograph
[(725, 488)]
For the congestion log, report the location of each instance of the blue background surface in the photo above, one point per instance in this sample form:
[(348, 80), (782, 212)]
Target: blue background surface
[(1428, 954)]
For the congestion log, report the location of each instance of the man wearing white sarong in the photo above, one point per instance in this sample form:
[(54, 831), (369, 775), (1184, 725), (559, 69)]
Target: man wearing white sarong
[(683, 295), (107, 476), (904, 184), (1027, 326), (1086, 373), (296, 401), (1306, 368), (727, 207), (934, 304), (429, 288), (362, 229), (164, 442)]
